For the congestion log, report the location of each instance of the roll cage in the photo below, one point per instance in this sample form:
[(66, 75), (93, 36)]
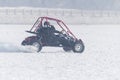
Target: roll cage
[(39, 23)]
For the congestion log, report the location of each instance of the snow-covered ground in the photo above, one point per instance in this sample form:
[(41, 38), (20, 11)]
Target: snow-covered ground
[(100, 60)]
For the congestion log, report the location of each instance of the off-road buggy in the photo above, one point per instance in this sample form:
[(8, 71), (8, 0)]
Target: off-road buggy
[(58, 35)]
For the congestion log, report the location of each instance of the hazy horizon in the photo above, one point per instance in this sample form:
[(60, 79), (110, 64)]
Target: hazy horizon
[(69, 4)]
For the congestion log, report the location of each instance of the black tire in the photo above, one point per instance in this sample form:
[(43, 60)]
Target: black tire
[(67, 49), (38, 46), (78, 47)]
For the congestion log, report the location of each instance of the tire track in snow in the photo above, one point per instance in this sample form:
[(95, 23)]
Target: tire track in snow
[(12, 48), (8, 47)]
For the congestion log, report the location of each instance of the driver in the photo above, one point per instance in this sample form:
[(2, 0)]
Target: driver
[(50, 29), (51, 32)]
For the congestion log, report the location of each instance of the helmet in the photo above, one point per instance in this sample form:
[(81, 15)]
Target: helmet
[(46, 23)]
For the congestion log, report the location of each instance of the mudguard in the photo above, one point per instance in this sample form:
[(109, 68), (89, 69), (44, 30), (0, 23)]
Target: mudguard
[(29, 40)]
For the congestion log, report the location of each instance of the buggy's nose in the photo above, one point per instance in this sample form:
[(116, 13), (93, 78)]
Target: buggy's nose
[(24, 43)]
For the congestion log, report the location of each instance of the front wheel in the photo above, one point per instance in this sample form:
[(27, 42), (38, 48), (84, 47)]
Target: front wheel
[(36, 47), (78, 47)]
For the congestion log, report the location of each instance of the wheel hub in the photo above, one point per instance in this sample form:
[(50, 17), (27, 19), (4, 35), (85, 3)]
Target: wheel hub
[(78, 47)]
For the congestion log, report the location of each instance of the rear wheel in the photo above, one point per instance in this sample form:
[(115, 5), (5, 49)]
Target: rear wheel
[(36, 47), (78, 47)]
